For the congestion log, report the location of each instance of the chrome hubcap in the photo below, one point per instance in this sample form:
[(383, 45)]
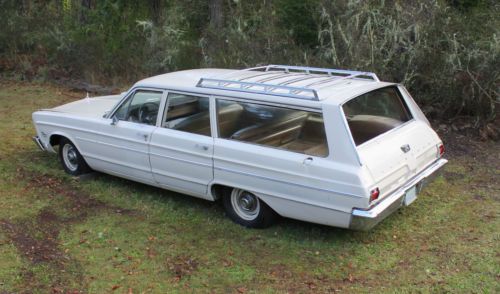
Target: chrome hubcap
[(245, 204), (70, 157)]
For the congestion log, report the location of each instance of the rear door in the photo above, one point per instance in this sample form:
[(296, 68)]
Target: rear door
[(392, 139), (181, 148)]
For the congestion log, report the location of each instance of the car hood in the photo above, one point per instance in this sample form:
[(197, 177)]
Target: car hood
[(90, 107)]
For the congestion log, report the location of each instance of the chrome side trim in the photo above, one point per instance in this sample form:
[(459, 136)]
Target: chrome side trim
[(39, 143), (176, 150), (112, 145), (180, 159), (366, 219), (132, 166), (92, 132), (286, 182), (286, 172), (176, 176)]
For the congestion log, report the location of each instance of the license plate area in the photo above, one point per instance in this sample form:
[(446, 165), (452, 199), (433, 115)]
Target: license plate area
[(410, 196)]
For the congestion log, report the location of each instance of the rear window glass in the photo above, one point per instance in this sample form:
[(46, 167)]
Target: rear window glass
[(375, 113), (285, 128)]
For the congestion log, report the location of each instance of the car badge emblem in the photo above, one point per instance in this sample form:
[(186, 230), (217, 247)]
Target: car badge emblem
[(405, 148)]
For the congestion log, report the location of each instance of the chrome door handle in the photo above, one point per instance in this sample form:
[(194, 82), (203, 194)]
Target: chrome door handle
[(202, 147), (307, 161), (144, 136)]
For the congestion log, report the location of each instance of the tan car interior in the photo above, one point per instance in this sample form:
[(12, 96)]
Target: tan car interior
[(366, 127), (299, 131)]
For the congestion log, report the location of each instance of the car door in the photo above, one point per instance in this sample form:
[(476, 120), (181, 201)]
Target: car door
[(181, 148), (120, 144)]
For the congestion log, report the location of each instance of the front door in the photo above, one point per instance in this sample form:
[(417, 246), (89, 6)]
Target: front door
[(181, 148), (120, 147)]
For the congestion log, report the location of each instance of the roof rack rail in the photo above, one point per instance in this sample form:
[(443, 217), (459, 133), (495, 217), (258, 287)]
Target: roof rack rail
[(259, 88), (317, 70), (283, 89)]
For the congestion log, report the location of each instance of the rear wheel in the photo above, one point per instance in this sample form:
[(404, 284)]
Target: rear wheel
[(71, 159), (246, 209)]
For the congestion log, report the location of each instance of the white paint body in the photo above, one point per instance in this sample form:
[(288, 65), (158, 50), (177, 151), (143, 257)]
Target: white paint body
[(324, 190)]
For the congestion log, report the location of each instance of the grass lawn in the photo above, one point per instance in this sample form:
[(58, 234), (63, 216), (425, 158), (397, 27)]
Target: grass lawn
[(99, 233)]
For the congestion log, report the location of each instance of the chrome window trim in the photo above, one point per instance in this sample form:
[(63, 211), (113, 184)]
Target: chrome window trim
[(395, 86), (132, 92), (164, 109), (261, 102)]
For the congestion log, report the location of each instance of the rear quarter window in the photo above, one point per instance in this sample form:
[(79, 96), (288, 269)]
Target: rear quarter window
[(289, 129), (375, 113)]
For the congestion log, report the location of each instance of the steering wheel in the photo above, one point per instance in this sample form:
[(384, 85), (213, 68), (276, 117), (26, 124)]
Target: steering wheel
[(148, 112)]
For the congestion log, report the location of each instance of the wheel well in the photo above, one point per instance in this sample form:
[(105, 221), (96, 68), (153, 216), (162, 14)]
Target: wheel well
[(218, 190), (55, 140)]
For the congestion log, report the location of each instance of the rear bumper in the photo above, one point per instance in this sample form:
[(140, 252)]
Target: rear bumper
[(39, 143), (364, 220)]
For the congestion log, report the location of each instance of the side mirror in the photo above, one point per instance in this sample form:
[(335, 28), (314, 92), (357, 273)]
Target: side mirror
[(114, 120), (105, 114)]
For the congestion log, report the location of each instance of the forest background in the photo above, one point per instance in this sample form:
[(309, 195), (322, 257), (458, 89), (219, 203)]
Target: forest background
[(447, 52)]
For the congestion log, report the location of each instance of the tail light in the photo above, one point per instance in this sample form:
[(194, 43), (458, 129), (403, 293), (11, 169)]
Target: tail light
[(441, 150), (374, 194)]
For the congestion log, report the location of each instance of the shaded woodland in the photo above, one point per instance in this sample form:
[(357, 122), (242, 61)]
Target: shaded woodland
[(446, 52)]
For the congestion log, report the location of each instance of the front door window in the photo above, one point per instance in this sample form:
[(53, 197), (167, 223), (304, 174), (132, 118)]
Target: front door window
[(142, 107)]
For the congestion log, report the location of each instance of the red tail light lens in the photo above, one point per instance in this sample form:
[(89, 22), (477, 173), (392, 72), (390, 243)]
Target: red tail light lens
[(374, 194), (441, 150)]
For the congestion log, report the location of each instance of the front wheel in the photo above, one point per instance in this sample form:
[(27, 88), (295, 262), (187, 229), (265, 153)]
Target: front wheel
[(71, 159), (248, 210)]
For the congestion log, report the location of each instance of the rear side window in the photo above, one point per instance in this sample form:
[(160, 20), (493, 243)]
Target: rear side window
[(375, 113), (285, 128), (187, 113)]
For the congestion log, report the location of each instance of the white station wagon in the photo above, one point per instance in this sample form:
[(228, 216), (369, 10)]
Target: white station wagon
[(326, 146)]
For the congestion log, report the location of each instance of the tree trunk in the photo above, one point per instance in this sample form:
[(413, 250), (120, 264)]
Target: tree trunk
[(156, 10), (216, 14), (85, 6), (87, 3)]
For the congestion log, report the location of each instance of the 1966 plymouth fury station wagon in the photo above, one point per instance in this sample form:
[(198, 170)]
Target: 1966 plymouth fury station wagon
[(327, 146)]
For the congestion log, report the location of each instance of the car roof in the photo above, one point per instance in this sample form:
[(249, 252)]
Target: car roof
[(305, 88)]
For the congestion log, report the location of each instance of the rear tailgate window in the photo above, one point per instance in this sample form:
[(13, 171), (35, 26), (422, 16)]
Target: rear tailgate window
[(375, 113)]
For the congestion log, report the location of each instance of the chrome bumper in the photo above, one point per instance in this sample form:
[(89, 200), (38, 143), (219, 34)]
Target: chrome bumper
[(39, 143), (364, 220)]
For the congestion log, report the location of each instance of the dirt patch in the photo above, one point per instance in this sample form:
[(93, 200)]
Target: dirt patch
[(182, 266), (80, 203), (36, 239), (36, 250)]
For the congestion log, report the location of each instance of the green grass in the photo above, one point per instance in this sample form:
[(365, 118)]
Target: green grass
[(117, 234)]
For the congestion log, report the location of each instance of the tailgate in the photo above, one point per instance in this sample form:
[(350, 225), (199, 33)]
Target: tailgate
[(398, 155)]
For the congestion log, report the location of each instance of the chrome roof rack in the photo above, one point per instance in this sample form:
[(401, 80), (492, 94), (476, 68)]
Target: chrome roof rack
[(260, 88), (318, 70), (283, 89)]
